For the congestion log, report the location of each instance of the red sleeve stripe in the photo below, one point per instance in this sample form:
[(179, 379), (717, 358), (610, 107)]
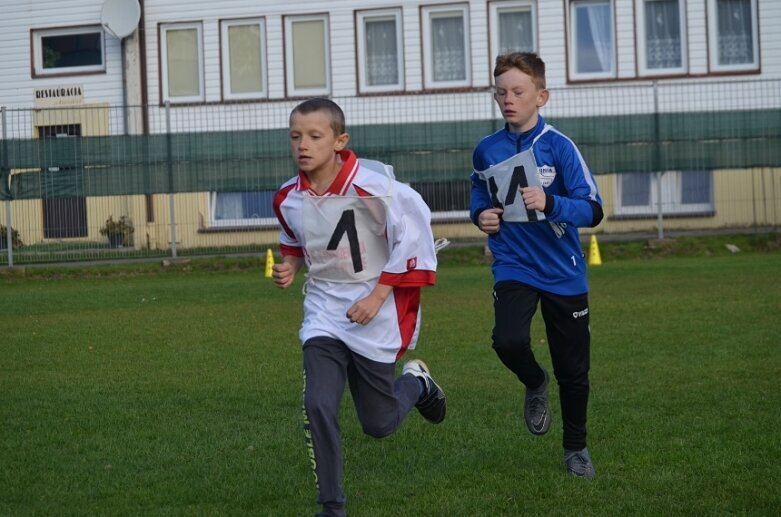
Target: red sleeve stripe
[(417, 278), (294, 251), (280, 196)]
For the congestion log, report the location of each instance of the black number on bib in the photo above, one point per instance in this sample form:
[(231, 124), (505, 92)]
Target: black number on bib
[(494, 193), (518, 180), (346, 225)]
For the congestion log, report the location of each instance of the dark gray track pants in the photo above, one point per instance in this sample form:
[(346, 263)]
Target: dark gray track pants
[(380, 402)]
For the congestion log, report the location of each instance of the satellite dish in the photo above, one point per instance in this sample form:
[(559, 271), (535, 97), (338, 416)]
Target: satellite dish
[(120, 17)]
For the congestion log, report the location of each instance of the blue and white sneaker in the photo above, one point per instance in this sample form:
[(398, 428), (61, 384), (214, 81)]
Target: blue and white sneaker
[(432, 403)]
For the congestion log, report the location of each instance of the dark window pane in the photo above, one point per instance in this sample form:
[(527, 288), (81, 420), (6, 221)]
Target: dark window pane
[(65, 218), (258, 204), (695, 187), (244, 205), (71, 50), (445, 196), (59, 131), (635, 189)]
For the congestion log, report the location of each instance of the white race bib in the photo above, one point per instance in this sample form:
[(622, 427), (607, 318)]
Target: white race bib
[(504, 182), (345, 237)]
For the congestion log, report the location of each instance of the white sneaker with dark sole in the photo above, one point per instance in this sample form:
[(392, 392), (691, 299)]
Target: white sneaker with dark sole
[(432, 404)]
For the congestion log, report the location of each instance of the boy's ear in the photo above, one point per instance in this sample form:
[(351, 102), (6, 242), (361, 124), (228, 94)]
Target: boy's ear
[(542, 97), (341, 141)]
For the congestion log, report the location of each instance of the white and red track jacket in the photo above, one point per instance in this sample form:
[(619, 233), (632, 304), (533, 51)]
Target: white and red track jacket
[(366, 228)]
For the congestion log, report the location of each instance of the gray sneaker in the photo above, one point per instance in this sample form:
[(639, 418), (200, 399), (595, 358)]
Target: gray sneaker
[(579, 463), (535, 408)]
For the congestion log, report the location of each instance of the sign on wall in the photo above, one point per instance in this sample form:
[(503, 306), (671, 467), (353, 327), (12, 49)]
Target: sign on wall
[(55, 96)]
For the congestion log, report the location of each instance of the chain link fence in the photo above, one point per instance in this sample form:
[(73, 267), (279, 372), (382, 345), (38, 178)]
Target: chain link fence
[(98, 182)]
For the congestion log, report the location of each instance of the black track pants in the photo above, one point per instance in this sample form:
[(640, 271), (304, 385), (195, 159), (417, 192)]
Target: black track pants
[(567, 327)]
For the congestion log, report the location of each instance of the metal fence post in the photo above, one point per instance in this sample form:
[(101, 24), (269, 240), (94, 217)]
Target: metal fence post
[(659, 218), (658, 166), (8, 231), (171, 207)]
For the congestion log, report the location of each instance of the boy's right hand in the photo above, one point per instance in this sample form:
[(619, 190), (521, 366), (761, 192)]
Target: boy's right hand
[(283, 274), (489, 220)]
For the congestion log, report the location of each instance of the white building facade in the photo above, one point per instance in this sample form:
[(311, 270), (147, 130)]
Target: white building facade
[(671, 90), (204, 52)]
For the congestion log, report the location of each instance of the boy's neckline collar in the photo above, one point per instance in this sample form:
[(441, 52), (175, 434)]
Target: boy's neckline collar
[(343, 178), (525, 134)]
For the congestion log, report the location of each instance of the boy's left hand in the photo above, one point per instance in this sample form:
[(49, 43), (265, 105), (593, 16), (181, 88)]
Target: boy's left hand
[(365, 309), (533, 198), (283, 274)]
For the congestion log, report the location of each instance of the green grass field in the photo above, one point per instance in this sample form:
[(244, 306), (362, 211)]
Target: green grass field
[(137, 391)]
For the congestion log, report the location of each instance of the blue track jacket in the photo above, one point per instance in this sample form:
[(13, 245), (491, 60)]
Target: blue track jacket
[(546, 255)]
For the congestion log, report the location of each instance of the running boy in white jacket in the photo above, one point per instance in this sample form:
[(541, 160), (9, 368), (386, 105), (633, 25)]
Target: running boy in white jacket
[(367, 243)]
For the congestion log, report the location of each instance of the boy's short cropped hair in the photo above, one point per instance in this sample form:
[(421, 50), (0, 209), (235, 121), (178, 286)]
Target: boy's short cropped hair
[(527, 62), (331, 109)]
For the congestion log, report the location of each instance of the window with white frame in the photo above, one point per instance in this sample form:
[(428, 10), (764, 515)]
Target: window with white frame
[(307, 51), (682, 192), (380, 55), (243, 58), (661, 36), (732, 35), (446, 52), (235, 209), (181, 65), (512, 27), (70, 50), (592, 40)]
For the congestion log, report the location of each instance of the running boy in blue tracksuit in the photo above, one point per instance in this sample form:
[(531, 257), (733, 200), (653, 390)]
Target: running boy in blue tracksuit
[(531, 190)]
